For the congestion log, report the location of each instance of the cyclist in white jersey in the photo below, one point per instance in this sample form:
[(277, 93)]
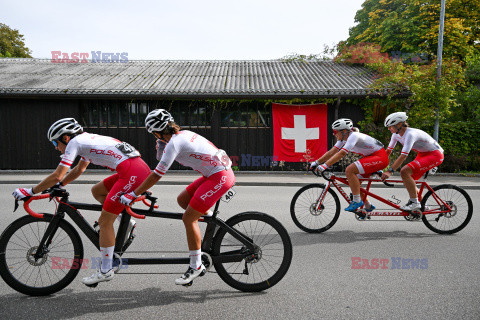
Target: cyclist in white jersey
[(374, 158), (191, 150), (429, 155), (68, 137)]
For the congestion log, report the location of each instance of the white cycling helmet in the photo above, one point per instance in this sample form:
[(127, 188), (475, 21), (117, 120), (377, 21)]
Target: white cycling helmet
[(395, 118), (63, 126), (157, 120), (342, 124)]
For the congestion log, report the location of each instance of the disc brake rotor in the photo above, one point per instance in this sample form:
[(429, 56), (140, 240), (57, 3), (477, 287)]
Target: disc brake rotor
[(31, 257), (314, 211)]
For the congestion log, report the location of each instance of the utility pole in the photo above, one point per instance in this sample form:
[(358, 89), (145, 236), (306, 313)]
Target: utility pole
[(439, 66)]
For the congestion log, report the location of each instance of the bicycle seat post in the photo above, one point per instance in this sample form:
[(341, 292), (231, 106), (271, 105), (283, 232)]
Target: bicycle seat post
[(215, 211)]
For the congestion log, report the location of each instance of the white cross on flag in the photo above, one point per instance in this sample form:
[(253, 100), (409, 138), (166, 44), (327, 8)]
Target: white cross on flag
[(299, 132)]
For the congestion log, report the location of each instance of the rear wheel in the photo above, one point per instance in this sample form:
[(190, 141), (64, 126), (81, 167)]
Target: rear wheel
[(260, 269), (53, 270), (306, 212), (455, 219)]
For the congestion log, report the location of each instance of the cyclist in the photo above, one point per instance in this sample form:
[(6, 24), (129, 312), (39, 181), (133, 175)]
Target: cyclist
[(68, 137), (429, 155), (350, 140), (192, 150)]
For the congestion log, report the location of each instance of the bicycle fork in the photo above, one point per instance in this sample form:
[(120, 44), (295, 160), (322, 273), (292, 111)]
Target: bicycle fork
[(319, 204), (47, 238)]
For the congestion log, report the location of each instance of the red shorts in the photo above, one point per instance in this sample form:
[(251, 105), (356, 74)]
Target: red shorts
[(206, 191), (372, 163), (130, 174), (424, 162)]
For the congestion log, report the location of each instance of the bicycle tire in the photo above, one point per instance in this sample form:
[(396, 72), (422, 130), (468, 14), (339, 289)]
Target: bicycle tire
[(460, 215), (304, 213), (274, 259), (50, 274)]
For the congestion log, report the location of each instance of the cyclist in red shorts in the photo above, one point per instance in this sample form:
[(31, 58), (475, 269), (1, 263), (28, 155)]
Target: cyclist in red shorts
[(429, 155), (68, 137), (350, 140), (191, 150)]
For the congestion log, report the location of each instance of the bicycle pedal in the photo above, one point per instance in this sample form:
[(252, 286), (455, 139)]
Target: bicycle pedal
[(360, 216), (96, 227), (92, 285), (416, 215), (188, 284)]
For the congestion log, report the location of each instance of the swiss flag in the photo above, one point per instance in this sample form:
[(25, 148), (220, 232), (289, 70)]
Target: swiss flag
[(299, 132)]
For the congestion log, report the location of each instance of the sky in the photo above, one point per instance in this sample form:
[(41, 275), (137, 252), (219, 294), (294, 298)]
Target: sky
[(182, 29)]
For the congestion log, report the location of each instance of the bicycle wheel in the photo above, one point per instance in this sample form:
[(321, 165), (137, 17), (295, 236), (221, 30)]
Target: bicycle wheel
[(450, 222), (53, 271), (303, 209), (262, 269)]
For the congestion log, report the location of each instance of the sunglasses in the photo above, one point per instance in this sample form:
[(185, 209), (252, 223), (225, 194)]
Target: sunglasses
[(55, 143), (335, 131)]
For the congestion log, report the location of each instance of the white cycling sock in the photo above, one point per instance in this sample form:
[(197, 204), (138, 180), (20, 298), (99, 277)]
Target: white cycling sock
[(356, 198), (107, 258), (414, 200), (209, 213), (195, 258)]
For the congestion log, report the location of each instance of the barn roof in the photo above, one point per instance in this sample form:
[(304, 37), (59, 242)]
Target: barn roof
[(183, 79)]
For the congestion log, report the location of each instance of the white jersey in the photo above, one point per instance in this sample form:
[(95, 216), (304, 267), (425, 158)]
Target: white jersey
[(194, 151), (359, 143), (416, 140), (100, 150)]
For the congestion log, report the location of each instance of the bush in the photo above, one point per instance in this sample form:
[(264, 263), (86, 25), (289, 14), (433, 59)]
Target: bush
[(460, 140)]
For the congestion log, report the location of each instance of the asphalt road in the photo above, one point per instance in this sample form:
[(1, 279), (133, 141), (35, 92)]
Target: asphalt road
[(321, 282)]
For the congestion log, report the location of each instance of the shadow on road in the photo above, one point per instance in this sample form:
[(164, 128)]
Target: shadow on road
[(346, 236), (66, 304)]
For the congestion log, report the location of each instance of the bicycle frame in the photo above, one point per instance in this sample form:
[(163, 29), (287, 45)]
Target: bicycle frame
[(334, 180), (72, 210)]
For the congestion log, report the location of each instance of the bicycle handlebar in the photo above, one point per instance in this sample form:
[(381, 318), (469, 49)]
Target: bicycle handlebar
[(379, 174), (57, 192), (26, 205), (323, 175), (130, 211)]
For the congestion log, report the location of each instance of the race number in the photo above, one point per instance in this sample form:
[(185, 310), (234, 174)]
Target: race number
[(228, 195), (127, 150), (224, 159)]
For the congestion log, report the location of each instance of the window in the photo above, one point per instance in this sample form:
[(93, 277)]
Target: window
[(245, 116), (114, 114)]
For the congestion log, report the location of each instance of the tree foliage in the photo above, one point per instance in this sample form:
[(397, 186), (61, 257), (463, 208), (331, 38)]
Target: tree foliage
[(365, 54), (469, 99), (456, 98), (12, 43), (412, 26)]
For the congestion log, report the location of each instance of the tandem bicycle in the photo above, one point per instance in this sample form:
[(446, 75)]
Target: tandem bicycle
[(251, 251), (445, 209)]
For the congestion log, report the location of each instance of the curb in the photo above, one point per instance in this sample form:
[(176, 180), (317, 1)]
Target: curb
[(191, 172), (238, 184)]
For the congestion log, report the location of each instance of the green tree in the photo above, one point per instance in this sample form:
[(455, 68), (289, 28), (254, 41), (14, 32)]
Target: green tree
[(469, 100), (413, 88), (411, 26), (12, 43)]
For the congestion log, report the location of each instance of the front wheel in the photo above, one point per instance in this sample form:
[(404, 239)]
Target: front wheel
[(56, 267), (456, 213), (263, 268), (310, 215)]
